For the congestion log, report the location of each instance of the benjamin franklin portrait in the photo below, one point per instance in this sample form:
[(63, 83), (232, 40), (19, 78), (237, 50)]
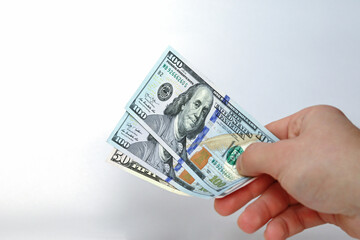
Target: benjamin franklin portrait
[(184, 118)]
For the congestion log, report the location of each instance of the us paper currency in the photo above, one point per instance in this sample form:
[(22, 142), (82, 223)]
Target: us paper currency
[(133, 167), (190, 118), (134, 141)]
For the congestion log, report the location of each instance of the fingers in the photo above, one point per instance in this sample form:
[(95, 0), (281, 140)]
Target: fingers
[(272, 202), (293, 220), (287, 218), (233, 202), (269, 158)]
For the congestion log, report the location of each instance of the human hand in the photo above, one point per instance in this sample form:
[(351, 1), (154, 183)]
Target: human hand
[(308, 178)]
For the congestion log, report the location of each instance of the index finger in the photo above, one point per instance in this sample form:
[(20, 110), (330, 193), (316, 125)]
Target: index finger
[(236, 200)]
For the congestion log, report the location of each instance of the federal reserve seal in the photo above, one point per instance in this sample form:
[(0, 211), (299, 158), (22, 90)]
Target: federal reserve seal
[(165, 91), (233, 154)]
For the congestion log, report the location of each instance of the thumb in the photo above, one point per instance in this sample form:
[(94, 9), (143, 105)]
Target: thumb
[(269, 158)]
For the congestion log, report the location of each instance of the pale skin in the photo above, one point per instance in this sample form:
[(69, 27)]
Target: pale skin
[(308, 178)]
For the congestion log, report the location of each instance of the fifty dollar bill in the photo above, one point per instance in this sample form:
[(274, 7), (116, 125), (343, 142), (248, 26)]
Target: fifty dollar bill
[(133, 167)]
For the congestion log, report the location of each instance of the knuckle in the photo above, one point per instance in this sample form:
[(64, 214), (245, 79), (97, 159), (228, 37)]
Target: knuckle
[(326, 108)]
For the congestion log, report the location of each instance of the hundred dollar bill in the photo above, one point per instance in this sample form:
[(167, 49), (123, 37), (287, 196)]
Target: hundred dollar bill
[(133, 167), (133, 140), (183, 111)]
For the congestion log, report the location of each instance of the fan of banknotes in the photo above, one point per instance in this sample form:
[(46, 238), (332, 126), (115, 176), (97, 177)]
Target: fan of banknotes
[(180, 132)]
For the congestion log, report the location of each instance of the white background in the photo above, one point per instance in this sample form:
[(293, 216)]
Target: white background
[(67, 69)]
